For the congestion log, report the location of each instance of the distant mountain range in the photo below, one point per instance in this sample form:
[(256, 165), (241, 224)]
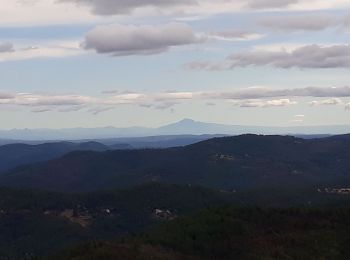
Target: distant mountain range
[(183, 127), (230, 163)]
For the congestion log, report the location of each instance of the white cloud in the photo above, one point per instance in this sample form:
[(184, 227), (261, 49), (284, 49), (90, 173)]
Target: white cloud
[(42, 50), (20, 13), (330, 102), (235, 36), (309, 56), (41, 12), (265, 103), (120, 40), (249, 97), (26, 99)]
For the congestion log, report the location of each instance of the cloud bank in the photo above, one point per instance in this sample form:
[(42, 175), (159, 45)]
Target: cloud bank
[(306, 57), (304, 22), (258, 97)]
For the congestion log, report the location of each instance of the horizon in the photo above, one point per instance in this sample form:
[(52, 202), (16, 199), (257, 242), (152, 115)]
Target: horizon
[(177, 122), (181, 129)]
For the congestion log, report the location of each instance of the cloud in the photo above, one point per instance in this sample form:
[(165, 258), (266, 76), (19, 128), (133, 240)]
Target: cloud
[(309, 56), (263, 92), (113, 7), (265, 103), (248, 97), (309, 22), (120, 40), (26, 99), (267, 4), (5, 96), (329, 102), (53, 12), (235, 36), (305, 22), (118, 7), (42, 50), (6, 47)]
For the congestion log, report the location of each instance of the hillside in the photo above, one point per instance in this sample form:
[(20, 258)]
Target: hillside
[(231, 233), (231, 163), (13, 155), (28, 219)]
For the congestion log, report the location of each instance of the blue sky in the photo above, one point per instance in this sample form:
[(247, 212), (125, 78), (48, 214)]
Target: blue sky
[(79, 63)]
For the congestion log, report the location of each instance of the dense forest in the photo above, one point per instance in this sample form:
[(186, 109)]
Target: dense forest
[(231, 233), (246, 197), (231, 163)]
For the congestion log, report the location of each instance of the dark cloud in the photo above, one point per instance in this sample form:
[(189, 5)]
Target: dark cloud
[(6, 47), (119, 40), (259, 93), (112, 7), (265, 4), (6, 96), (310, 22), (310, 56)]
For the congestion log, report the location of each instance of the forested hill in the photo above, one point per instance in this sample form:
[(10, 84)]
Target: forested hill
[(13, 155), (230, 163)]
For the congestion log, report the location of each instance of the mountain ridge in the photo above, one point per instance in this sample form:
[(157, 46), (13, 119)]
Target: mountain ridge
[(241, 163)]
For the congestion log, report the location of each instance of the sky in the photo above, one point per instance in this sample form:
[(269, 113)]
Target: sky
[(97, 63)]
